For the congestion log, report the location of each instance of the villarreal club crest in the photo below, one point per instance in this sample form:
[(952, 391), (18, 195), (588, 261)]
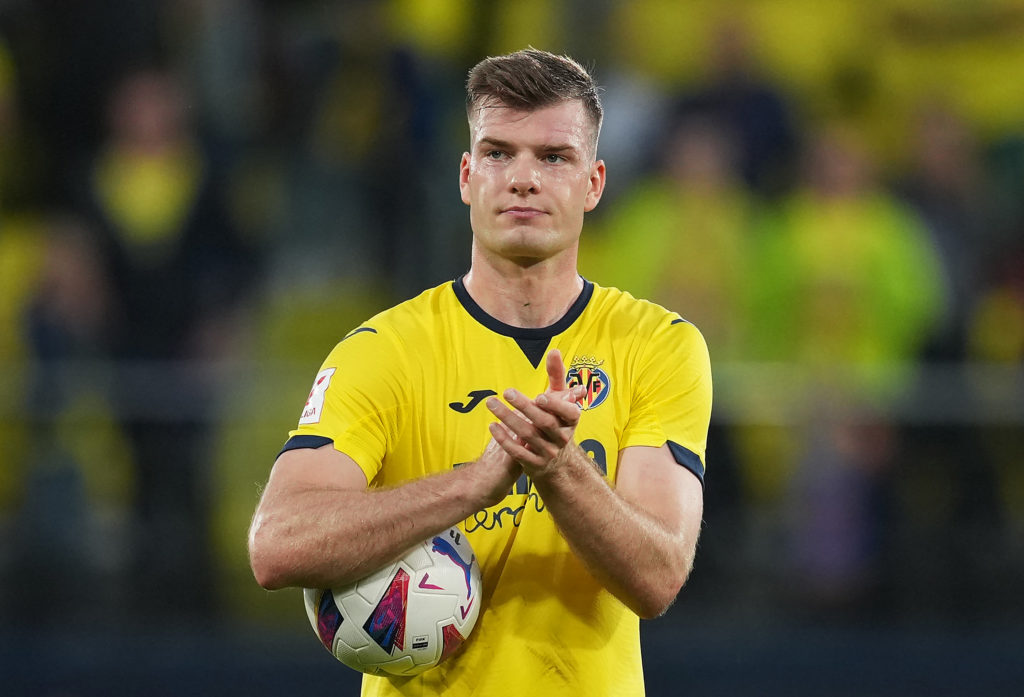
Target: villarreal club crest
[(586, 371)]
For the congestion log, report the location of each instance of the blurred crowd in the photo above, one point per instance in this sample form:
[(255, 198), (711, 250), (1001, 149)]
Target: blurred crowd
[(197, 199)]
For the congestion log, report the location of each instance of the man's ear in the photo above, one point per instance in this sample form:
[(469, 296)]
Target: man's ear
[(464, 177), (597, 179)]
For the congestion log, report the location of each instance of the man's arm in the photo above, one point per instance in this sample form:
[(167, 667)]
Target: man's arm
[(638, 539), (317, 525)]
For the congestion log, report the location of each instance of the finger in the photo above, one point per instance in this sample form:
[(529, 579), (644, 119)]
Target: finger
[(573, 395), (513, 446), (515, 421), (536, 442), (539, 419), (577, 394), (556, 370), (566, 409)]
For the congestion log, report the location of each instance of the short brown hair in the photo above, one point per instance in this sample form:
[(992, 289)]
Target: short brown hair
[(532, 79)]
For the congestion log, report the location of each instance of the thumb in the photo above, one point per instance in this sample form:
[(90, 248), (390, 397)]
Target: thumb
[(556, 371)]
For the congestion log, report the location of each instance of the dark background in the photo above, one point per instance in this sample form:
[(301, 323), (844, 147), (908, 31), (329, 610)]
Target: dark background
[(198, 199)]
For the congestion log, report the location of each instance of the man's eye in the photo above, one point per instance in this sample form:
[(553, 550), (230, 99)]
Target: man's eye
[(495, 154), (554, 159)]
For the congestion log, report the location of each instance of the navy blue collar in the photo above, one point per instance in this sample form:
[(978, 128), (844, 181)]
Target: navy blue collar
[(532, 340)]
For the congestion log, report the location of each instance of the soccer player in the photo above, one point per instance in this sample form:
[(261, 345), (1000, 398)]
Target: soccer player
[(562, 425)]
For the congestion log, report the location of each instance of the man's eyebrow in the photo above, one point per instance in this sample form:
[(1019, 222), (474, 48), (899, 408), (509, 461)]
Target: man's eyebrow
[(558, 147), (493, 143), (488, 142)]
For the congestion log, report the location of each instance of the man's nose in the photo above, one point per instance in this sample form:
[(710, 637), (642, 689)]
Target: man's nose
[(524, 178)]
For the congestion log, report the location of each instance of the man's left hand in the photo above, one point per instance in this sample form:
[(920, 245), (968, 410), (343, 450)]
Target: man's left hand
[(538, 433)]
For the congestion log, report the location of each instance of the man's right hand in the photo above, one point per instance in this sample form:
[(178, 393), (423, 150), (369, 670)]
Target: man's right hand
[(496, 472)]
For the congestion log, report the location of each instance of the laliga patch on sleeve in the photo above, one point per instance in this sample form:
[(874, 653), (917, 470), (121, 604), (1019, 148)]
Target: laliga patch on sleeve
[(315, 402)]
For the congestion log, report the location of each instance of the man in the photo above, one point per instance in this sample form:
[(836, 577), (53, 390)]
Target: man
[(584, 503)]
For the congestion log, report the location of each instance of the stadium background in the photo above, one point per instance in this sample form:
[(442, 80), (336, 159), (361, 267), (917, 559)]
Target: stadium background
[(197, 199)]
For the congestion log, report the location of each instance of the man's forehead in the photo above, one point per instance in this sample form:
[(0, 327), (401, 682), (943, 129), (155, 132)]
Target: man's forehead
[(566, 122)]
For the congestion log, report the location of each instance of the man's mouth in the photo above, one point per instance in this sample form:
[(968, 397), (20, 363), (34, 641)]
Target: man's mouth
[(522, 212)]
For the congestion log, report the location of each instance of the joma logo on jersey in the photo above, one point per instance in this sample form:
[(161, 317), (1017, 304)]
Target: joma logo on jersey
[(475, 397), (586, 371)]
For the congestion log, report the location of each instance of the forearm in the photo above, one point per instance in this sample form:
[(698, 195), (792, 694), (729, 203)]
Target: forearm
[(633, 554), (638, 540), (309, 535)]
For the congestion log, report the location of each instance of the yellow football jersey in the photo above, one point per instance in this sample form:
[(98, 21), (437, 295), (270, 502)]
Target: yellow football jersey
[(403, 396)]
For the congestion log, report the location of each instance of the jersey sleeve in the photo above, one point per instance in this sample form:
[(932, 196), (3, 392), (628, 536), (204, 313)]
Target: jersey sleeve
[(355, 401), (671, 400)]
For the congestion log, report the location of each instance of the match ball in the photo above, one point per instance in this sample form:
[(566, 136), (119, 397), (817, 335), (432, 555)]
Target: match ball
[(407, 617)]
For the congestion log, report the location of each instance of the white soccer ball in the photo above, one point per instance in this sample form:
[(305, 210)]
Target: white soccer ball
[(408, 616)]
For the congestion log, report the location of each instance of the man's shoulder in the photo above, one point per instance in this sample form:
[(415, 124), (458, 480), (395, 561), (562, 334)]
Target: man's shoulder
[(419, 311), (621, 305), (397, 330), (643, 323)]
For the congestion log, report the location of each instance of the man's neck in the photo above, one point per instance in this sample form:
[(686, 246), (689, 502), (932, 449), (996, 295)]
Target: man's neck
[(530, 297)]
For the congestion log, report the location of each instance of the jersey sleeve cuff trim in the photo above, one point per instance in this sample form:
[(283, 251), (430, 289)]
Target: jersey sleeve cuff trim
[(688, 459), (300, 442)]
